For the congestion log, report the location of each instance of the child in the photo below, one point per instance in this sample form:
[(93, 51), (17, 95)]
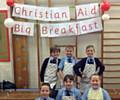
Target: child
[(68, 92), (44, 92), (67, 63), (88, 66), (95, 92), (49, 70), (49, 67)]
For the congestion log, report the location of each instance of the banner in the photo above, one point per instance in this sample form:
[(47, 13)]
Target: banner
[(59, 29), (71, 28), (87, 11), (23, 28), (90, 25), (41, 13)]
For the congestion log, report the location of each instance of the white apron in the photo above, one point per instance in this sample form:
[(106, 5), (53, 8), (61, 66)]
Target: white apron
[(51, 74), (88, 71), (68, 68), (68, 98), (64, 97)]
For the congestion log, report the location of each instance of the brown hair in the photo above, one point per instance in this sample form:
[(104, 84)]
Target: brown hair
[(53, 49), (90, 46), (68, 76), (46, 84), (95, 74)]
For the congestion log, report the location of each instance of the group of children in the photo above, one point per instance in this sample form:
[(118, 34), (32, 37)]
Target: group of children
[(70, 92), (75, 76)]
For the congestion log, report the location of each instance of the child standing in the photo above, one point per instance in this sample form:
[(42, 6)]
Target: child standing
[(49, 67), (88, 66), (68, 92), (44, 92), (95, 92), (67, 63), (49, 70)]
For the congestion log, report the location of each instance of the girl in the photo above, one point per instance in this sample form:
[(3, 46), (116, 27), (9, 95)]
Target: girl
[(44, 92), (68, 92), (95, 92)]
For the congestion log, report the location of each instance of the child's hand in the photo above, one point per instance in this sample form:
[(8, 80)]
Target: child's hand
[(84, 75)]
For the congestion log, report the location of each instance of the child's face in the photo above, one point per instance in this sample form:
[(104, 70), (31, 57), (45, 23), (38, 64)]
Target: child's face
[(45, 91), (90, 52), (55, 54), (95, 82), (68, 84), (69, 51)]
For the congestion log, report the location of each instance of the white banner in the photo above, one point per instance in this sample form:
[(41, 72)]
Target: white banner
[(23, 28), (87, 11), (71, 28), (41, 13), (59, 29), (3, 5), (90, 25)]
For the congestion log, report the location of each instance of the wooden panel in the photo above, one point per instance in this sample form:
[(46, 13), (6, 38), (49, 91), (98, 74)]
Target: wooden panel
[(19, 1), (111, 48), (19, 95), (112, 67), (111, 35), (113, 74), (111, 55), (87, 1), (114, 1), (114, 41), (111, 80), (112, 25), (111, 86), (113, 12), (20, 54), (111, 61)]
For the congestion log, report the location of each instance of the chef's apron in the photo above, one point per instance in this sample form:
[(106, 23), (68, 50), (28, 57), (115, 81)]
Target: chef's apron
[(87, 72), (68, 68), (51, 74), (68, 98)]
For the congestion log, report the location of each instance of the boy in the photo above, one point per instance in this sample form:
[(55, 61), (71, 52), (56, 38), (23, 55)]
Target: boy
[(68, 92), (95, 92), (44, 92), (49, 67), (88, 66), (67, 63)]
